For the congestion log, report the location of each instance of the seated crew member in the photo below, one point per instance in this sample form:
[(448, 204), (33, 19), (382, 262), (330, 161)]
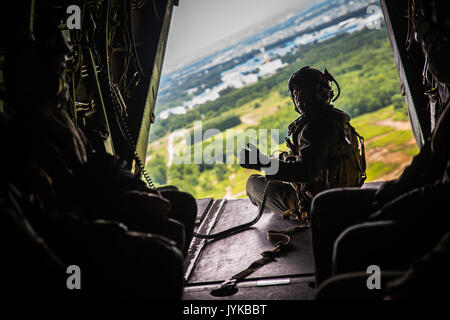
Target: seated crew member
[(324, 153), (66, 191), (427, 278)]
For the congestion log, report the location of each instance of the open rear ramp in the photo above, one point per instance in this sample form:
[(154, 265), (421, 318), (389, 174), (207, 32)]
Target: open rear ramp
[(210, 262)]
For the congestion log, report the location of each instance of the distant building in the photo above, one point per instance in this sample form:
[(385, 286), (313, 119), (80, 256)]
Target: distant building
[(207, 95), (238, 80), (269, 68), (192, 90)]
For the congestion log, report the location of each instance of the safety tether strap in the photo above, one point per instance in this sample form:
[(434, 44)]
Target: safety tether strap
[(282, 240)]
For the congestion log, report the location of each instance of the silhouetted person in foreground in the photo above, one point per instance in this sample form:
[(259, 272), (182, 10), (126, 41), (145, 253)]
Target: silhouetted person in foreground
[(66, 204), (324, 153), (405, 218)]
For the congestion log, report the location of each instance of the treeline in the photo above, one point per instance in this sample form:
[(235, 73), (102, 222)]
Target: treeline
[(221, 123)]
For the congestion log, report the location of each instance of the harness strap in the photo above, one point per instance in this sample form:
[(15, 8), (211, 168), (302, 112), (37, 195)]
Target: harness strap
[(297, 203), (362, 157), (363, 152), (293, 204), (282, 240)]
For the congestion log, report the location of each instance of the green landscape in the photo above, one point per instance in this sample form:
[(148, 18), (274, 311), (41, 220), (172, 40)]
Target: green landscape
[(363, 65)]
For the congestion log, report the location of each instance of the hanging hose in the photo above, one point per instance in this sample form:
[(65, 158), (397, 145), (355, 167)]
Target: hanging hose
[(330, 78), (339, 90), (241, 227)]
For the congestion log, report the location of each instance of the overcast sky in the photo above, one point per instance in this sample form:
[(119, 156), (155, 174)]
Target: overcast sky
[(197, 24)]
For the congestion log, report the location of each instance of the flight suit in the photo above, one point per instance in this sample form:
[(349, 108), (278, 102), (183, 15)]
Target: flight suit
[(322, 156)]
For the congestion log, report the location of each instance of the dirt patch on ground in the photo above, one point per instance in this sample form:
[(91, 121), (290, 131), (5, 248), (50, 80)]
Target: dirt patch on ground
[(386, 155), (229, 195), (252, 118), (397, 125), (249, 119)]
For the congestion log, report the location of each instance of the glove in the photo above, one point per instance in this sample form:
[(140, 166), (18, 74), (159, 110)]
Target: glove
[(252, 158), (287, 156)]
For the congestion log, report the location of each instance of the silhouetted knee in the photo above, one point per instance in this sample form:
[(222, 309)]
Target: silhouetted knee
[(253, 187)]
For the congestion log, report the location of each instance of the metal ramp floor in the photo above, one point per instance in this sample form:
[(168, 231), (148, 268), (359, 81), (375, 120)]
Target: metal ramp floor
[(210, 262)]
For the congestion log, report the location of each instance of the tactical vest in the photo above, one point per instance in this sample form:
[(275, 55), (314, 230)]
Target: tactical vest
[(345, 166)]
